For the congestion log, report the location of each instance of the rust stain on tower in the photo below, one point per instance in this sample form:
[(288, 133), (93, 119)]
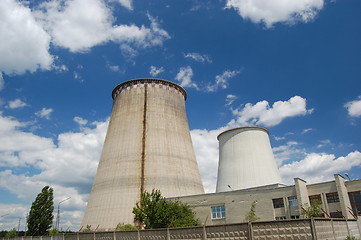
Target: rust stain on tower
[(147, 146)]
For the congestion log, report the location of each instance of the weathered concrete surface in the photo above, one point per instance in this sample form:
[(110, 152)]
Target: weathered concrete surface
[(245, 159), (147, 146)]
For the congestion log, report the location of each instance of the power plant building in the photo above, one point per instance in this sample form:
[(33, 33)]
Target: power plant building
[(148, 146)]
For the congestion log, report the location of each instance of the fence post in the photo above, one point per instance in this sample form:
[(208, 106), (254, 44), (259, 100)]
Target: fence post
[(114, 236), (333, 229), (138, 235), (348, 229), (63, 236), (168, 234), (204, 232), (313, 228), (250, 231)]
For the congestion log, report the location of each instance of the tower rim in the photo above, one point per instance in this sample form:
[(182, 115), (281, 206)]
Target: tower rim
[(135, 81), (246, 127)]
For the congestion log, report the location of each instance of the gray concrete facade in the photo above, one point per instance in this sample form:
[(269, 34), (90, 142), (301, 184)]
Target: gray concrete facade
[(147, 146), (277, 201)]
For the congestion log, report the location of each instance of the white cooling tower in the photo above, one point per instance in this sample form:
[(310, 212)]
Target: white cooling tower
[(245, 159)]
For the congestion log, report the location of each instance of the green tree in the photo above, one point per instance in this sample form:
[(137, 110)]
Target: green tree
[(314, 210), (251, 215), (154, 211), (41, 213), (11, 234), (125, 227)]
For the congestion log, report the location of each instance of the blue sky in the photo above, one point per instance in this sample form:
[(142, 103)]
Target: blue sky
[(293, 67)]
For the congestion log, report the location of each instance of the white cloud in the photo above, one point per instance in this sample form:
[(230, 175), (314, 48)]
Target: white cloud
[(230, 99), (17, 103), (307, 130), (154, 71), (206, 148), (80, 121), (354, 107), (114, 68), (262, 114), (287, 152), (44, 113), (221, 81), (81, 24), (271, 12), (128, 51), (318, 167), (2, 83), (198, 57), (126, 3), (27, 45), (68, 167), (184, 77)]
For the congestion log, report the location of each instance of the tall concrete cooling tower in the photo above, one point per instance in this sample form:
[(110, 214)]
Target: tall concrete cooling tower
[(147, 146), (245, 159)]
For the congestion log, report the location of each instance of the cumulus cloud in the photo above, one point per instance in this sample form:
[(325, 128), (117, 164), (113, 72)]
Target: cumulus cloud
[(81, 24), (184, 77), (354, 107), (221, 81), (154, 71), (17, 103), (318, 167), (262, 113), (271, 12), (80, 121), (68, 166), (206, 148), (198, 57), (27, 44), (44, 113)]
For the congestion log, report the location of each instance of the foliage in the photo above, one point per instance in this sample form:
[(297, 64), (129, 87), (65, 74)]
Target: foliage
[(41, 213), (154, 211), (351, 238), (314, 210), (53, 231), (88, 228), (125, 227), (11, 234), (251, 215)]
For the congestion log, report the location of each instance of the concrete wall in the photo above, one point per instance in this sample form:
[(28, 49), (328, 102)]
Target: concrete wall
[(305, 229), (147, 146)]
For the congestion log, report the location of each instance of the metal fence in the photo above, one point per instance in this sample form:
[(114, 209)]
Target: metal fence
[(300, 229)]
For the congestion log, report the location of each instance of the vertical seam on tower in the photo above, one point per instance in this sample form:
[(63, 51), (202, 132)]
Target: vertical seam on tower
[(143, 141)]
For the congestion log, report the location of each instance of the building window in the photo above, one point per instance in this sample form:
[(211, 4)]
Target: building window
[(292, 201), (315, 198), (278, 203), (336, 214), (355, 200), (280, 218), (295, 217), (218, 212), (332, 197)]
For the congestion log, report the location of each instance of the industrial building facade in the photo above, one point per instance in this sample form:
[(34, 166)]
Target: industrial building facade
[(339, 198)]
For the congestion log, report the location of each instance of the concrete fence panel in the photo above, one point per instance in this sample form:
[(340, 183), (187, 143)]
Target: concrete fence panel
[(154, 234), (195, 233), (279, 230), (126, 235), (228, 232)]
